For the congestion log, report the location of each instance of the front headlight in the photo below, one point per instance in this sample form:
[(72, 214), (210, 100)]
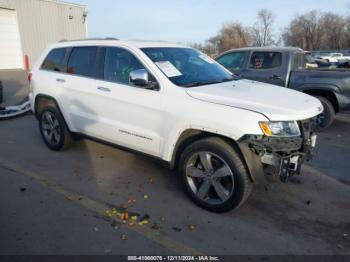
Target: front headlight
[(280, 128)]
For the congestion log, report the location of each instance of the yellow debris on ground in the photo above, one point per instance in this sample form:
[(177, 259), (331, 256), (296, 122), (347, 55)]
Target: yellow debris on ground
[(191, 227), (125, 216), (143, 222)]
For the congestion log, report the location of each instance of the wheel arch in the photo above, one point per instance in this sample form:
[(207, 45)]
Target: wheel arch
[(190, 136), (42, 100)]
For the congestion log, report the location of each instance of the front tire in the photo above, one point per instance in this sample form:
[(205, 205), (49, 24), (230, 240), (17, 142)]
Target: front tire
[(214, 175), (53, 129), (325, 119)]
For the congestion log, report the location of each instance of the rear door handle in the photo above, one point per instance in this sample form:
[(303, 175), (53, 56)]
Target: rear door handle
[(104, 89), (275, 77), (60, 80)]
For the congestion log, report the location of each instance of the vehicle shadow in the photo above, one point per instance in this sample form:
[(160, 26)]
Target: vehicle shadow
[(116, 175)]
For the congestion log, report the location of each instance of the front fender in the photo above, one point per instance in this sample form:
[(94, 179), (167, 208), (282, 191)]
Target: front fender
[(177, 136)]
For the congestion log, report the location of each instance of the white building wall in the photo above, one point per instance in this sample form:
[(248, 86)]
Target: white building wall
[(42, 22), (11, 55)]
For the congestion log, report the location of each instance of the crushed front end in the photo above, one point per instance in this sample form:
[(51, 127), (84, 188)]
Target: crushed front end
[(281, 155)]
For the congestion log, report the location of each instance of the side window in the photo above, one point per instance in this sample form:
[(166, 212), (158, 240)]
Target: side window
[(118, 65), (233, 61), (82, 61), (299, 61), (54, 60), (265, 60)]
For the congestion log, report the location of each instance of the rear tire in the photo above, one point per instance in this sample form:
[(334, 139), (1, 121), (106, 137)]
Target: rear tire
[(53, 129), (325, 119), (214, 175)]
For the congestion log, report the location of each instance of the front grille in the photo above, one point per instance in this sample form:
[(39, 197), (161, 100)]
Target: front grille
[(277, 144), (263, 144)]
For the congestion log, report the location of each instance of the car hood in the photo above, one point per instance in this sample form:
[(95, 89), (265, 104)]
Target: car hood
[(275, 102)]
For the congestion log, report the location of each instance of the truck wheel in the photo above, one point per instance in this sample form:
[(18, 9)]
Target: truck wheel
[(214, 175), (53, 129), (325, 119)]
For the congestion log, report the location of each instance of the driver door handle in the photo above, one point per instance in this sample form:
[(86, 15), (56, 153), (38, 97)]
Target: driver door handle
[(275, 77), (104, 89), (60, 80)]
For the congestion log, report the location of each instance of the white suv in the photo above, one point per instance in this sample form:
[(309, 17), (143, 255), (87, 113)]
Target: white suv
[(177, 105)]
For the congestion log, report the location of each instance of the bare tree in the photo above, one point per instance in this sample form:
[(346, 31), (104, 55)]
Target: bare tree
[(334, 27), (346, 37), (206, 48), (262, 31), (316, 30), (232, 35)]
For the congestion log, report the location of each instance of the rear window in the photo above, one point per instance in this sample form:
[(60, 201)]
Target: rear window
[(265, 60), (83, 62), (300, 61), (55, 60)]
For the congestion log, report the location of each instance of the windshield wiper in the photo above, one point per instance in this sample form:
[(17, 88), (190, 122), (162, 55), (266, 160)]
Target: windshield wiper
[(229, 79), (202, 83), (236, 76), (209, 82)]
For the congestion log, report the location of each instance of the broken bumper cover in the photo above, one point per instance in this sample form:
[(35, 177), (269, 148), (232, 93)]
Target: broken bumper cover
[(285, 155), (13, 111)]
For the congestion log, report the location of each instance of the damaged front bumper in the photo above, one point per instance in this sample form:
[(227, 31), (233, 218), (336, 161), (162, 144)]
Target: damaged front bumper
[(282, 155)]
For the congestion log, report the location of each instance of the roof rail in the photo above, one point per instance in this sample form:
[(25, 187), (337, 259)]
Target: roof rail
[(88, 39)]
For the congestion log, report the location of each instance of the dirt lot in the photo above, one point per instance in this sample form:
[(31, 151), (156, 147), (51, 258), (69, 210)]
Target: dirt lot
[(56, 203)]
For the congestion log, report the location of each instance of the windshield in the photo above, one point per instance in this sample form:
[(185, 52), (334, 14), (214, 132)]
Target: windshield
[(188, 67)]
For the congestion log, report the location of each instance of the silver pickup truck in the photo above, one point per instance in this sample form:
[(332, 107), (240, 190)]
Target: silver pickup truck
[(286, 67)]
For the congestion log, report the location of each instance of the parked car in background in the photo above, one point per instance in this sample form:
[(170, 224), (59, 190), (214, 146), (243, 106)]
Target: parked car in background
[(335, 57), (177, 105), (286, 67), (312, 62)]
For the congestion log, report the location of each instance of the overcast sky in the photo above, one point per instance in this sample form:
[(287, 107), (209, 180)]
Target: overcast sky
[(190, 20)]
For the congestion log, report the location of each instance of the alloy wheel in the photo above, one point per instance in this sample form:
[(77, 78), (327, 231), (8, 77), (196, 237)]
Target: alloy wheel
[(51, 128), (210, 178)]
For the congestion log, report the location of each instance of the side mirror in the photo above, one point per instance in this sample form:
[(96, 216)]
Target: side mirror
[(139, 78)]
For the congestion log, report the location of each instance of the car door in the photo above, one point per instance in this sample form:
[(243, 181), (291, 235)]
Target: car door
[(268, 67), (128, 115), (53, 69), (78, 90)]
